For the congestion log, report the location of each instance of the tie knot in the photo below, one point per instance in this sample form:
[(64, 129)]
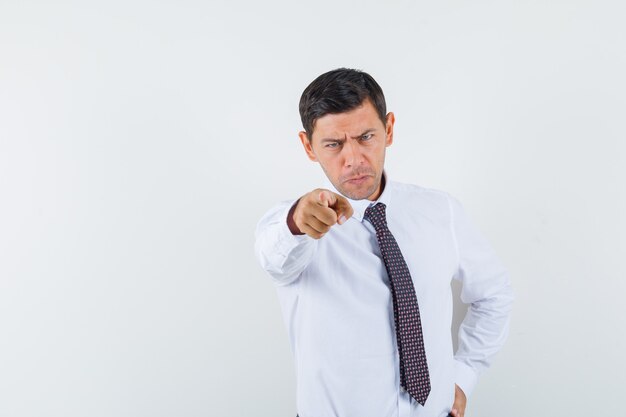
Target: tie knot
[(376, 215)]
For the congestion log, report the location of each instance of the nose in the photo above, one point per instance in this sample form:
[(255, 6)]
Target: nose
[(352, 154)]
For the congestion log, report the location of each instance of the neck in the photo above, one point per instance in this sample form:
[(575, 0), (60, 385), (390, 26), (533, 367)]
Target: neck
[(379, 191)]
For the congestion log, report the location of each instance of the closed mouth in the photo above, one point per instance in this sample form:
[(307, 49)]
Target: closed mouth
[(357, 178)]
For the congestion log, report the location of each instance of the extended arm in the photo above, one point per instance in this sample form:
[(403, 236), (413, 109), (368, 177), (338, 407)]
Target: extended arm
[(286, 237), (282, 254)]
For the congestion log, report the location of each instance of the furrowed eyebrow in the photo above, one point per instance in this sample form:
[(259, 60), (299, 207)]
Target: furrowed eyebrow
[(364, 133), (353, 137), (325, 140)]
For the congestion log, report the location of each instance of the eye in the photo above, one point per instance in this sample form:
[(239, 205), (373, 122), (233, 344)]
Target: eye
[(367, 137), (331, 145)]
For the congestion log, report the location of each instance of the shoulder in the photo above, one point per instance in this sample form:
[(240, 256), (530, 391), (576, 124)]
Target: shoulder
[(417, 192), (431, 203)]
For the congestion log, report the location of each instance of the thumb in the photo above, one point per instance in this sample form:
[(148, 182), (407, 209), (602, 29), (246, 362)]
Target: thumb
[(344, 209)]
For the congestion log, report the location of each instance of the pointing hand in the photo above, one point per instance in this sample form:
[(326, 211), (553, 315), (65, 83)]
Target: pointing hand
[(316, 212)]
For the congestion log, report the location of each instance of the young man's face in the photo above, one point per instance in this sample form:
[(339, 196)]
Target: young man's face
[(350, 147)]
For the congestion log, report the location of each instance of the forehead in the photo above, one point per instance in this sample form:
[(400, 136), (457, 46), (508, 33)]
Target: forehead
[(353, 122)]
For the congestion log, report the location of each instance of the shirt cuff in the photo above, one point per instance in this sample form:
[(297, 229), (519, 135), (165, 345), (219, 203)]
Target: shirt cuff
[(287, 244), (287, 240), (465, 377)]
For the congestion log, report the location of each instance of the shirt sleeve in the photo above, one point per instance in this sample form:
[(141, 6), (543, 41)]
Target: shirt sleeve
[(282, 254), (485, 286)]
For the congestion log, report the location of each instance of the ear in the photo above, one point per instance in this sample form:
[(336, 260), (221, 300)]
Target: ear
[(307, 146), (391, 119)]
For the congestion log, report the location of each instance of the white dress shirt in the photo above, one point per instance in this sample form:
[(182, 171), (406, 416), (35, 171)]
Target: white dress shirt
[(336, 303)]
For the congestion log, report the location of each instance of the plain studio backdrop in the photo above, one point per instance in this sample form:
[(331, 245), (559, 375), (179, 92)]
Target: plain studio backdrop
[(141, 141)]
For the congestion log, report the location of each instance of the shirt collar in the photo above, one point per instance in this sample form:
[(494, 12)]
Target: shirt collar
[(360, 206)]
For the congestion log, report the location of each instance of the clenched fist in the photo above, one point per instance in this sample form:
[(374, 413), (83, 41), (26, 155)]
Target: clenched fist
[(316, 212)]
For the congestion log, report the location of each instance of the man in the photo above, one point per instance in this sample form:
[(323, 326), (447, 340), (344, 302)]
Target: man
[(363, 269)]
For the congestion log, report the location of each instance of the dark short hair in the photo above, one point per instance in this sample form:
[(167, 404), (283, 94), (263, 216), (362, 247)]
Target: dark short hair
[(338, 91)]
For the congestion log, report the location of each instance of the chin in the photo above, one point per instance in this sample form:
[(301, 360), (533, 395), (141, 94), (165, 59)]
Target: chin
[(357, 194)]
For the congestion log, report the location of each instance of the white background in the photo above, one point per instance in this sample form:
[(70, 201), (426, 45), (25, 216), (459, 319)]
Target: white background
[(141, 141)]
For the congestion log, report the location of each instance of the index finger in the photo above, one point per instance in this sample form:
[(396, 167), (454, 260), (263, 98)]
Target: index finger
[(326, 198)]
